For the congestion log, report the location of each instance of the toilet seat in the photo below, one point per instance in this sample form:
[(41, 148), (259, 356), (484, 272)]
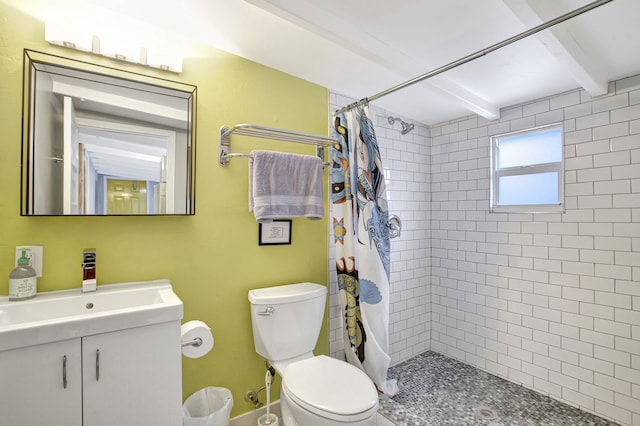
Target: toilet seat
[(330, 388)]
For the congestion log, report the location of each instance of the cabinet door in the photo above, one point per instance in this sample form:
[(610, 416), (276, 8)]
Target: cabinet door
[(39, 386), (133, 377)]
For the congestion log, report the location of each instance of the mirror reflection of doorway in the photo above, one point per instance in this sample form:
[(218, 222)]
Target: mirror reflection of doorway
[(123, 152), (126, 197), (98, 151)]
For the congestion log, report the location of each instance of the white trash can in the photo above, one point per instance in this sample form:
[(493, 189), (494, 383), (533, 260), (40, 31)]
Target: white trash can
[(210, 406)]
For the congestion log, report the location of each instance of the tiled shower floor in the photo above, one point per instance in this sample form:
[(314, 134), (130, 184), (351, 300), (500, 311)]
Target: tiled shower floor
[(436, 390)]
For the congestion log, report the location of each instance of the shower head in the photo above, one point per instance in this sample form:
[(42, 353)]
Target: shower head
[(406, 127)]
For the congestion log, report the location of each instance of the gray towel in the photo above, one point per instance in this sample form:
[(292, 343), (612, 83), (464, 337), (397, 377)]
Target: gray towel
[(283, 185)]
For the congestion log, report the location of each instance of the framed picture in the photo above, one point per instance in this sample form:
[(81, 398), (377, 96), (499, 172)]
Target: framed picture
[(276, 232)]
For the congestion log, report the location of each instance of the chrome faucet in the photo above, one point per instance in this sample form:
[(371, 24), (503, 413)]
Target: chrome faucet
[(89, 278)]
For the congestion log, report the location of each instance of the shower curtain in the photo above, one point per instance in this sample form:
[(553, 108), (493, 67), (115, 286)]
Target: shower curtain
[(361, 239)]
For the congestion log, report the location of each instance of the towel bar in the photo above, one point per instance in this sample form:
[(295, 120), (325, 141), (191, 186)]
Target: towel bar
[(240, 155), (253, 130)]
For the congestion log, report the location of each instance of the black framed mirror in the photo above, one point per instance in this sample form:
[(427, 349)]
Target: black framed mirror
[(102, 141)]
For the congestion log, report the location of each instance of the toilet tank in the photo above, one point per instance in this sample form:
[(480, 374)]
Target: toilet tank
[(286, 319)]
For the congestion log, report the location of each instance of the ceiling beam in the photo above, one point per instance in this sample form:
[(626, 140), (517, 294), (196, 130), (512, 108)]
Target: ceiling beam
[(332, 27), (559, 41)]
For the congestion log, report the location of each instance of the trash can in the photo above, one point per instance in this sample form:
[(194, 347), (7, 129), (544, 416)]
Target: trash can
[(210, 406)]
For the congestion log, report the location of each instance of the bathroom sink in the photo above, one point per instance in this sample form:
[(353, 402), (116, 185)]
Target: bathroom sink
[(67, 314)]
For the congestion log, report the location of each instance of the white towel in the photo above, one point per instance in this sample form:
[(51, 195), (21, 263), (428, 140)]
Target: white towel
[(283, 185)]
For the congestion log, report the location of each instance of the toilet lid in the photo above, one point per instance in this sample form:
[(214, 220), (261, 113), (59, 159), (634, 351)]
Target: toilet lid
[(328, 386)]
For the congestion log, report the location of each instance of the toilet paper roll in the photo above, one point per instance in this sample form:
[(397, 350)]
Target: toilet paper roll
[(191, 331)]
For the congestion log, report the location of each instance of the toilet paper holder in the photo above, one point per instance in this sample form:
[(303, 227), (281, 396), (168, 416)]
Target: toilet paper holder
[(196, 339), (195, 342)]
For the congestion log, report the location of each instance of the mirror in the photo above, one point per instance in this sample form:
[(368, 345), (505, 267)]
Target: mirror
[(102, 141)]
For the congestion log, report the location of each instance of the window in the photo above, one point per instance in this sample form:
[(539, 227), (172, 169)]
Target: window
[(527, 171)]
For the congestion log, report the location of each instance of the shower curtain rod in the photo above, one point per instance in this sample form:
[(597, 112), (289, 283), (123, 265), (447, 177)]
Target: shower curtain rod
[(479, 53)]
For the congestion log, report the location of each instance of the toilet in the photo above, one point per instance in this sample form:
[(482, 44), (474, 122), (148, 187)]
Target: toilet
[(316, 390)]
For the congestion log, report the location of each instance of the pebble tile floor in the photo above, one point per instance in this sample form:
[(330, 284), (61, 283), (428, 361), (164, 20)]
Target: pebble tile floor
[(437, 390)]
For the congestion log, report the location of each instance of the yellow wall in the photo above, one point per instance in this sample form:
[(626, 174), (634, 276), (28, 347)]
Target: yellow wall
[(211, 258)]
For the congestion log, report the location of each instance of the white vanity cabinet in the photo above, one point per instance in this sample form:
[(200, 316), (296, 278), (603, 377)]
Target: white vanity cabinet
[(34, 389), (133, 377), (125, 377)]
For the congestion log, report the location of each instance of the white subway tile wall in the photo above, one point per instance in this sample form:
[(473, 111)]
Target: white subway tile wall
[(550, 300), (406, 160)]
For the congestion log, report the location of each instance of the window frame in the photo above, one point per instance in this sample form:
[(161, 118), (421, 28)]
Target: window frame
[(532, 169)]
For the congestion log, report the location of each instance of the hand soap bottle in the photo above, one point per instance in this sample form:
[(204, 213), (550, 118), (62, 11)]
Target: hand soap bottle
[(22, 280)]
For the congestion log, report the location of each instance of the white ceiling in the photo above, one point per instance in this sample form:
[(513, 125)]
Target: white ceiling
[(362, 47)]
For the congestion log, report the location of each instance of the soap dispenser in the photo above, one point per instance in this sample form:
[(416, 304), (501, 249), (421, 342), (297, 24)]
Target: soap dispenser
[(22, 280)]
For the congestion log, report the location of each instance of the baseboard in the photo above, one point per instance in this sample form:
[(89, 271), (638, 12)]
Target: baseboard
[(251, 418)]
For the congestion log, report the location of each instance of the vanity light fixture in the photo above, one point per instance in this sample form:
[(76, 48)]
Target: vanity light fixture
[(118, 47), (79, 37)]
